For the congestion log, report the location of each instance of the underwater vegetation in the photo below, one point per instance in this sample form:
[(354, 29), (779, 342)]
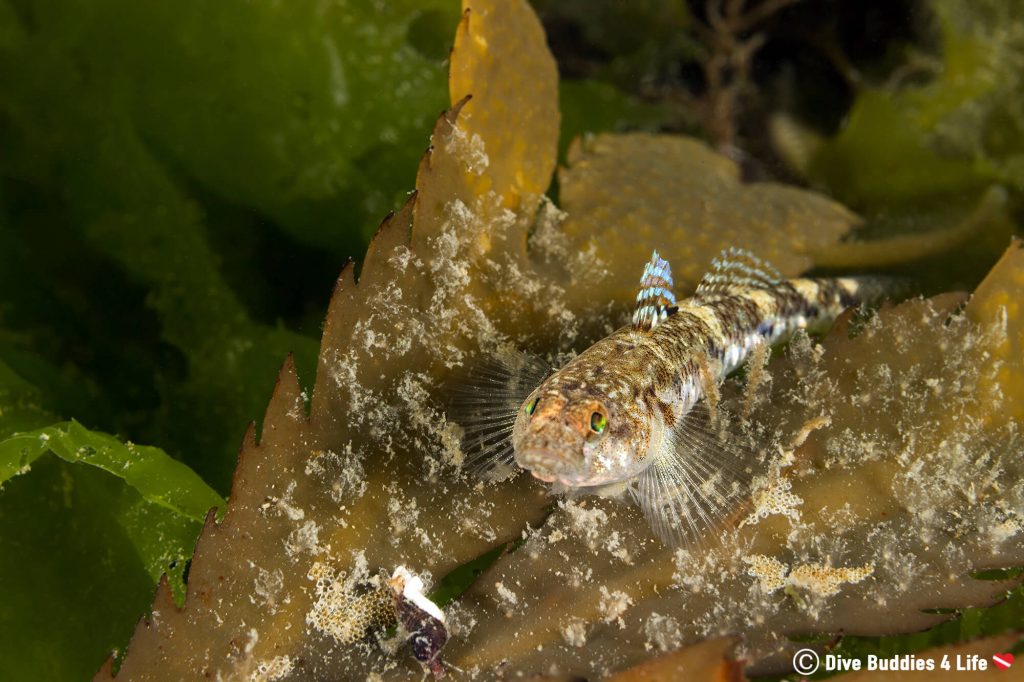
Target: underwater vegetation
[(892, 497)]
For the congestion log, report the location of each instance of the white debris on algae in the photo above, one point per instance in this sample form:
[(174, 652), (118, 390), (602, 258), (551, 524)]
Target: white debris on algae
[(274, 669), (819, 580), (774, 497), (575, 633), (825, 581), (346, 605), (509, 599), (613, 605)]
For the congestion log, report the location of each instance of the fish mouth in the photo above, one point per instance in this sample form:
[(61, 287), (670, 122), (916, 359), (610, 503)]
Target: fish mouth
[(549, 466), (542, 476)]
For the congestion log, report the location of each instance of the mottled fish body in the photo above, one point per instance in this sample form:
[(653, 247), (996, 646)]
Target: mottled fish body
[(634, 407), (655, 374)]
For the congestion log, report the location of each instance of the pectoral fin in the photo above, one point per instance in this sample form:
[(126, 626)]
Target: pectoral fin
[(485, 401), (700, 480)]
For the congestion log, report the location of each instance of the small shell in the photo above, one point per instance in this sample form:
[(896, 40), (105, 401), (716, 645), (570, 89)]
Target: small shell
[(422, 619)]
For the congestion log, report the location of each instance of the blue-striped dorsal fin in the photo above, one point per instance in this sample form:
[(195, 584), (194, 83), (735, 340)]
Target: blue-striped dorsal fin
[(655, 300), (735, 269)]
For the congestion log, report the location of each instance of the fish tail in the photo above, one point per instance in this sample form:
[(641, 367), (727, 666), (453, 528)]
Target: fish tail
[(823, 300)]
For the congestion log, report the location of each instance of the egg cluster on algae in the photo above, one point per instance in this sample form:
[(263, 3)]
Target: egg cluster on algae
[(892, 470)]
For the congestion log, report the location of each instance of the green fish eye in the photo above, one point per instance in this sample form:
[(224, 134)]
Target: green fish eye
[(531, 406), (598, 422)]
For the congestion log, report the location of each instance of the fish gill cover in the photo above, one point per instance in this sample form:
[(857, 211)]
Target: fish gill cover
[(895, 454)]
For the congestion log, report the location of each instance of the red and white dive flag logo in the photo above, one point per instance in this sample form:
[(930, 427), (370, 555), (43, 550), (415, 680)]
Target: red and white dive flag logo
[(1003, 661)]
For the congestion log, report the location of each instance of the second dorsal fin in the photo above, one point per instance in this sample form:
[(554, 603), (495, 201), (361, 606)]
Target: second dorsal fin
[(655, 300), (738, 269)]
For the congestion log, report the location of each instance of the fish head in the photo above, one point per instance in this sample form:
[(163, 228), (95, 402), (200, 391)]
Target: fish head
[(575, 436)]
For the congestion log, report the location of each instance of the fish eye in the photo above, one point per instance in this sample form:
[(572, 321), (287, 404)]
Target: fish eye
[(531, 406), (598, 422)]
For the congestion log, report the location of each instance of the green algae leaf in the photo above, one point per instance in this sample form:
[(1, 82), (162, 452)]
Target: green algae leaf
[(302, 132), (148, 225), (945, 140), (881, 158), (154, 231), (310, 134), (921, 159), (85, 535), (160, 479), (75, 578), (167, 501)]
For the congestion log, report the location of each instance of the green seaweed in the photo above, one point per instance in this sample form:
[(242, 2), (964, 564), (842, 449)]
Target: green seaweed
[(84, 534), (160, 479), (75, 575), (941, 135)]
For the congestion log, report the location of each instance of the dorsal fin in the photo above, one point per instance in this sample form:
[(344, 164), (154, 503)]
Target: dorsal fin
[(738, 269), (655, 300)]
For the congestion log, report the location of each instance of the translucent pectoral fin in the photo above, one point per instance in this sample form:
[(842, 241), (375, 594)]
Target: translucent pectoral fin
[(484, 401), (700, 480)]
